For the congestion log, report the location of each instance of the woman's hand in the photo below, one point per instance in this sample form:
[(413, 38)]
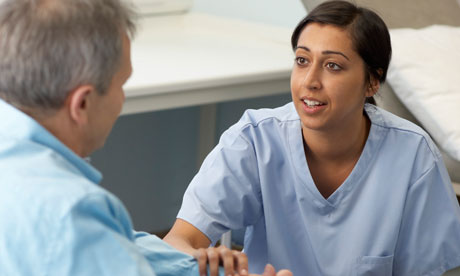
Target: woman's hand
[(187, 238), (233, 261), (270, 271)]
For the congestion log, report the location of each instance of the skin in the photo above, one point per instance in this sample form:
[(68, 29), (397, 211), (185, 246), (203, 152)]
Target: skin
[(106, 108), (329, 70), (187, 238)]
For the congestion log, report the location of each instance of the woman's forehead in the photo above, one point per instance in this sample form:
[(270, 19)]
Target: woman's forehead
[(325, 34)]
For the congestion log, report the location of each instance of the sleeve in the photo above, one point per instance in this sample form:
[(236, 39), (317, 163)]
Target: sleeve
[(93, 239), (429, 238), (96, 238), (166, 259), (225, 194)]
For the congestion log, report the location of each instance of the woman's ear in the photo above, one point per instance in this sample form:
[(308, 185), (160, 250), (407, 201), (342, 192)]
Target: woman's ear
[(78, 102), (373, 85)]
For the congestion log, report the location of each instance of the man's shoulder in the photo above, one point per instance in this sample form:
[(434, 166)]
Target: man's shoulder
[(39, 184), (54, 215), (46, 195)]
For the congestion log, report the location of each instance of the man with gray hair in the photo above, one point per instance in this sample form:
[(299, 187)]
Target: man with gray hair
[(62, 67)]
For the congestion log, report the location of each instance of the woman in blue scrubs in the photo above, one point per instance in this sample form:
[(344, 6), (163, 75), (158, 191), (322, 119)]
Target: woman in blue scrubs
[(328, 184)]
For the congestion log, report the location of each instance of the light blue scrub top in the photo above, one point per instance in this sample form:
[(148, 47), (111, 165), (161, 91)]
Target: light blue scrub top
[(56, 220), (395, 214)]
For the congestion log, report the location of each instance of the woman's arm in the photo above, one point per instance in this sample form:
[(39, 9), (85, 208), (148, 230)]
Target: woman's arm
[(187, 238)]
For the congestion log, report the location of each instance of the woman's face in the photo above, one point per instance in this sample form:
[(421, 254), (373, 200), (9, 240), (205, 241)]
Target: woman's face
[(328, 79)]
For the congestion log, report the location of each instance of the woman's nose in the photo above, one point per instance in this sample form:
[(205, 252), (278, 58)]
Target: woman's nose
[(312, 79)]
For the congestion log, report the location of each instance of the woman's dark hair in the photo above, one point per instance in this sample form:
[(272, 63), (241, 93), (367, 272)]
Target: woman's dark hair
[(369, 34)]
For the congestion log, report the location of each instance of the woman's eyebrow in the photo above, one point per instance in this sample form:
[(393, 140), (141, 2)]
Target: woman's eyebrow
[(326, 52)]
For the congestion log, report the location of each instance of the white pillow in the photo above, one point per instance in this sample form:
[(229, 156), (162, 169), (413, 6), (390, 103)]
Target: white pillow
[(425, 75)]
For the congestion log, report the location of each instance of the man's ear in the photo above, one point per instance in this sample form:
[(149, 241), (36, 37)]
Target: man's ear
[(78, 102)]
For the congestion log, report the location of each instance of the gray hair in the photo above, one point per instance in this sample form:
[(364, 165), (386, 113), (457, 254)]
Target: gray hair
[(50, 47)]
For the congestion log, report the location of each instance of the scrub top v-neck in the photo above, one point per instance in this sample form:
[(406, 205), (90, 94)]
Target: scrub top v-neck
[(374, 140)]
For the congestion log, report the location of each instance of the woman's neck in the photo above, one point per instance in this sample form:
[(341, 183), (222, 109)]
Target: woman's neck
[(342, 143)]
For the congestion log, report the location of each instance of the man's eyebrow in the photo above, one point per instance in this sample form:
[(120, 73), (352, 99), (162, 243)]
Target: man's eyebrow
[(327, 52)]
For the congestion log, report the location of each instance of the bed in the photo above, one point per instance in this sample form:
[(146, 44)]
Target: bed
[(422, 79)]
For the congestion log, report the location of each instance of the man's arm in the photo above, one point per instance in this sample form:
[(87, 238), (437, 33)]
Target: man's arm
[(95, 238)]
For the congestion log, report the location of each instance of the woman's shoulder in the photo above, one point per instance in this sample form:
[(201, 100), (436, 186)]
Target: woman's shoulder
[(255, 117), (383, 118), (404, 131), (264, 122)]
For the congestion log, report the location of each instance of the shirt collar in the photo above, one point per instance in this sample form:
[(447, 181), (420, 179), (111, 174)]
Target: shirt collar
[(374, 114), (18, 125)]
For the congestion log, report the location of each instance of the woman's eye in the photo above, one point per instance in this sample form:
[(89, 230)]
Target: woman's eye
[(333, 66), (301, 61)]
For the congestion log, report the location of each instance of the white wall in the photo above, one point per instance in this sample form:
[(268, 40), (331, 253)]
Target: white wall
[(285, 13), (149, 159)]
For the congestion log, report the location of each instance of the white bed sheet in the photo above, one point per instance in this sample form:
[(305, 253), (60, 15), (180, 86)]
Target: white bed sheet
[(425, 75)]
